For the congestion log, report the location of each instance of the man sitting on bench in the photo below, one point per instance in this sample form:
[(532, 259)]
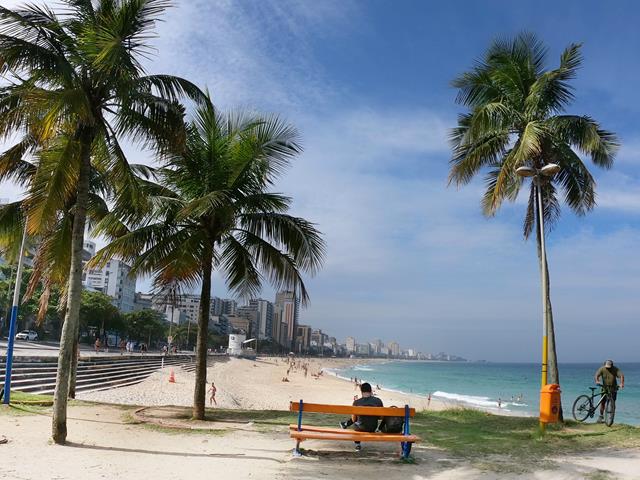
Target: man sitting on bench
[(364, 423)]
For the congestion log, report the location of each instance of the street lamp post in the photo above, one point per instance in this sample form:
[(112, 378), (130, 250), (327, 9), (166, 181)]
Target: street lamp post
[(13, 321), (548, 170)]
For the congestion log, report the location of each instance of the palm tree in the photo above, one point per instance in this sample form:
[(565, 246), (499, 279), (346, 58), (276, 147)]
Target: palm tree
[(76, 87), (52, 260), (217, 214), (516, 117)]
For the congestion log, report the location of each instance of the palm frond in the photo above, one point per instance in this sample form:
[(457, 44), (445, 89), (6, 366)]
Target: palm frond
[(237, 264), (587, 136)]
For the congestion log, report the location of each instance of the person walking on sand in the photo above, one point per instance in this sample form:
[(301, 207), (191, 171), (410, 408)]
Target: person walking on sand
[(212, 398), (97, 344), (607, 376), (429, 400), (363, 423)]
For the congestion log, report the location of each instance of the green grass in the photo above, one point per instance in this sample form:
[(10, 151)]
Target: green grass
[(21, 397), (492, 442), (30, 403), (476, 435), (26, 404)]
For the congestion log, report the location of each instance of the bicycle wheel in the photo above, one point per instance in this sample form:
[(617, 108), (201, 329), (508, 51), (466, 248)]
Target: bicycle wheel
[(582, 408), (609, 412)]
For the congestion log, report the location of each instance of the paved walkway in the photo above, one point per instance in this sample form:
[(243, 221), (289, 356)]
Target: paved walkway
[(23, 348)]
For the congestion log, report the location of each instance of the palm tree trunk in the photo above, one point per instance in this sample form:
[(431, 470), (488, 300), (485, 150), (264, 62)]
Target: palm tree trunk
[(201, 342), (71, 321), (74, 368), (553, 372)]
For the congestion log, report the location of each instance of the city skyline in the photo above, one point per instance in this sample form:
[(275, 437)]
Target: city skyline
[(402, 246)]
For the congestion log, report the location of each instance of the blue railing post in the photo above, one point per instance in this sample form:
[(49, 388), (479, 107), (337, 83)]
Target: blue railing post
[(9, 364), (14, 320)]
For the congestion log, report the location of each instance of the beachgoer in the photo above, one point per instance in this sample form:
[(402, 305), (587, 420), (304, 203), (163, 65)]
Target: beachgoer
[(499, 403), (122, 345), (213, 391), (98, 345), (429, 400), (364, 423), (607, 376)]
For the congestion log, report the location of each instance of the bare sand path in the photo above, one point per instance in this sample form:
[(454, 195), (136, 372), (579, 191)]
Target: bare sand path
[(104, 446)]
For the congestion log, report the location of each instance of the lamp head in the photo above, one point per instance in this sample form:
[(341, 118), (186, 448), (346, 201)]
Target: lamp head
[(550, 169), (526, 171)]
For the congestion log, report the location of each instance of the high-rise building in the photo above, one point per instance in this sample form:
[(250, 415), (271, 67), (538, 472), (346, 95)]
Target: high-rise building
[(351, 345), (284, 337), (318, 339), (394, 349), (251, 313), (187, 303), (264, 308), (229, 306), (143, 301), (363, 349), (303, 338), (238, 324), (288, 306), (113, 279), (216, 306)]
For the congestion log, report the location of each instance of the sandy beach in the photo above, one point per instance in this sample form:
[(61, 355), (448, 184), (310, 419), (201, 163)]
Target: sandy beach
[(257, 385), (104, 444), (105, 441)]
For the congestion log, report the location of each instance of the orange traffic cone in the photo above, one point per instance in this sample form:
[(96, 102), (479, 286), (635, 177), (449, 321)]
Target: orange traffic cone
[(172, 377)]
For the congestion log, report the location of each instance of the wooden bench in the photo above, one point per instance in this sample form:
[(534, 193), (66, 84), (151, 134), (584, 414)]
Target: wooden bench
[(302, 432)]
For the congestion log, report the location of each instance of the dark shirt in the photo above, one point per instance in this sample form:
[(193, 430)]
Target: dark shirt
[(365, 422), (609, 376)]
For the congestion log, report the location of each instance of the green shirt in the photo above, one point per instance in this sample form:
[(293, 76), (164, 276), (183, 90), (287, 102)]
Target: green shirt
[(609, 375)]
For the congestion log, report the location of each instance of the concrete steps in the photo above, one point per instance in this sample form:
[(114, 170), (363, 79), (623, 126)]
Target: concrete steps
[(94, 374)]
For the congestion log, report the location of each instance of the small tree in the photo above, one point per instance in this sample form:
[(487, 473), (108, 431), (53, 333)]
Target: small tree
[(146, 325), (97, 310)]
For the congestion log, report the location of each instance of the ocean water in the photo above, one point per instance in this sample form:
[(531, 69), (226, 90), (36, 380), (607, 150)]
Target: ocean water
[(516, 385)]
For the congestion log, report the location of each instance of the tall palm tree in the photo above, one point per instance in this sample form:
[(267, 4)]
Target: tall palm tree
[(217, 214), (76, 86), (52, 260), (516, 117)]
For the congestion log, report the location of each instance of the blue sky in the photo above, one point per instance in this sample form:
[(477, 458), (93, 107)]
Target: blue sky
[(410, 259)]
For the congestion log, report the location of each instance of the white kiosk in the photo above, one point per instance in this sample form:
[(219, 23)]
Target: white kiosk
[(235, 344)]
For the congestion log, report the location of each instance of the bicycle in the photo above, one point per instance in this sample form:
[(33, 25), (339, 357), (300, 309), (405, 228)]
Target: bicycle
[(583, 406)]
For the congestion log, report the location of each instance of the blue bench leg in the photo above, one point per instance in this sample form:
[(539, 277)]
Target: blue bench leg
[(406, 449), (296, 451)]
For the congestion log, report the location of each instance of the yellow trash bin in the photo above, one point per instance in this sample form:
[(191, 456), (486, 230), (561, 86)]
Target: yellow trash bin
[(550, 403)]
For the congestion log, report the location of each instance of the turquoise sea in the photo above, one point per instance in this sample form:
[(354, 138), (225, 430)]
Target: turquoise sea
[(483, 384)]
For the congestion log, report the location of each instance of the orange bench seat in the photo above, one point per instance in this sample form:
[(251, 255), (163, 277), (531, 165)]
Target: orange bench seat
[(302, 432)]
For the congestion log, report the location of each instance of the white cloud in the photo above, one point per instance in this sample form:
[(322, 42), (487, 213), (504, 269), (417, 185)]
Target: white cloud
[(252, 54), (408, 258)]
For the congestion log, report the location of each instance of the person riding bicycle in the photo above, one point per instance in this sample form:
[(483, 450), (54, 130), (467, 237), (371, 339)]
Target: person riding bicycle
[(609, 375)]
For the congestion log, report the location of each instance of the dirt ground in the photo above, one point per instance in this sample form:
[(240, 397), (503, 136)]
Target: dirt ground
[(104, 444)]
